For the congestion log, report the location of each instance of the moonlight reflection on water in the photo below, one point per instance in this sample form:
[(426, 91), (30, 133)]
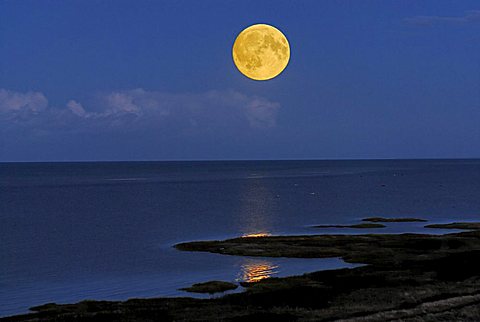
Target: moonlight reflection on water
[(253, 270)]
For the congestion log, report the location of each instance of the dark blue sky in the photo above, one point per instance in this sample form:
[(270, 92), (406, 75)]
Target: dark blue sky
[(154, 80)]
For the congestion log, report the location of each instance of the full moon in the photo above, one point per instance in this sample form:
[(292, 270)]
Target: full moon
[(261, 52)]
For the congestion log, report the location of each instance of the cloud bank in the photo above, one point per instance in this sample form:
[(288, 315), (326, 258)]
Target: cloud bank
[(471, 16), (138, 110), (12, 103)]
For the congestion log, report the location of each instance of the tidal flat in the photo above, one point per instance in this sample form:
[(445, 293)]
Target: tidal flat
[(407, 277), (358, 226), (400, 219), (210, 287)]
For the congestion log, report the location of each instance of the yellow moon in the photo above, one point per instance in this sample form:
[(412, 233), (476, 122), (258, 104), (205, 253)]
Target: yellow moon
[(261, 52)]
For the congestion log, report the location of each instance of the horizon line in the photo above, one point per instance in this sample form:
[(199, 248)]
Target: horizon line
[(244, 160)]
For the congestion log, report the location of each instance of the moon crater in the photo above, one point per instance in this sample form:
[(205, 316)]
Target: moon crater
[(261, 52)]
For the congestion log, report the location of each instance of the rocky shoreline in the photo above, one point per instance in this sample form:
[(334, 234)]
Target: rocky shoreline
[(407, 277)]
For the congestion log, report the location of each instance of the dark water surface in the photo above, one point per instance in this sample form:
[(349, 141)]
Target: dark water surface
[(73, 231)]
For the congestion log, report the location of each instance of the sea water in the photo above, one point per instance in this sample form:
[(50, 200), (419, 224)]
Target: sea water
[(106, 230)]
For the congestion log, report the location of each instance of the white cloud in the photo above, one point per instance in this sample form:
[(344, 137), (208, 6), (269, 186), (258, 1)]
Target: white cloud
[(15, 102), (261, 113), (139, 109), (76, 108), (207, 108), (122, 102)]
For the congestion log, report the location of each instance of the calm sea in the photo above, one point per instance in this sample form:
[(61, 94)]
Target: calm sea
[(74, 231)]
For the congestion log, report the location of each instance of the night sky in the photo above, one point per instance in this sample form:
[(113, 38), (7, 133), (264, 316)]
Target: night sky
[(154, 80)]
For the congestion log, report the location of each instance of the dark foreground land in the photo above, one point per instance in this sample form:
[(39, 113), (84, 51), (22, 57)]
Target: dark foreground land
[(409, 277)]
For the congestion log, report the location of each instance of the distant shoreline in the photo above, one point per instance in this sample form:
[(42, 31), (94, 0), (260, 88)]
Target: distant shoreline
[(243, 160)]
